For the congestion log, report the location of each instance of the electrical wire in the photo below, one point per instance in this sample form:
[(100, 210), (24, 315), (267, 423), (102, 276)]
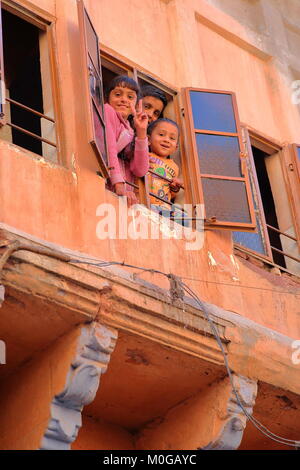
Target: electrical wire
[(258, 425), (102, 264), (255, 422), (240, 285)]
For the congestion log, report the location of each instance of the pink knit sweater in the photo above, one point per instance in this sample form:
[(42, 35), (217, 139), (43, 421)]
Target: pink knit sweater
[(118, 135)]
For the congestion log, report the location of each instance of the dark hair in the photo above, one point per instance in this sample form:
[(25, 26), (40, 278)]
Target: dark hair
[(122, 81), (149, 90), (153, 125)]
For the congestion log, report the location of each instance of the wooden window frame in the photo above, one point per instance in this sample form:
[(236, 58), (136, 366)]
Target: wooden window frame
[(46, 22), (137, 72), (88, 99), (252, 137), (194, 165), (288, 153), (291, 171), (295, 148)]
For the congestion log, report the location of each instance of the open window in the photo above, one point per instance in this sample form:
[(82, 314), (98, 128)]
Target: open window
[(93, 87), (111, 66), (171, 111), (217, 164), (276, 236), (27, 69)]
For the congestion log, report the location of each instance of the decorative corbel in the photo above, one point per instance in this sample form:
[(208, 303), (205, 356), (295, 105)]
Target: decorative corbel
[(96, 344), (231, 434)]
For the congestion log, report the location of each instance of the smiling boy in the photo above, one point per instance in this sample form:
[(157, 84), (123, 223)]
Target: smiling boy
[(163, 135)]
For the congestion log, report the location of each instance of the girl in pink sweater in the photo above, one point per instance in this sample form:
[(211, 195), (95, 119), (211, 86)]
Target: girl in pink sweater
[(127, 150)]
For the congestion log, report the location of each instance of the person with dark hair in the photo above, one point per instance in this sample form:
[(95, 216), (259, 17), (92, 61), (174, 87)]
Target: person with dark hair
[(125, 161), (163, 135), (154, 102)]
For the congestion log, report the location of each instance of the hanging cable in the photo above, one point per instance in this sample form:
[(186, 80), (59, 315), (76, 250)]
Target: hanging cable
[(258, 425)]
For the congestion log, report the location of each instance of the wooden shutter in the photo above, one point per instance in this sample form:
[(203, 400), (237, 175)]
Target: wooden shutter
[(93, 87), (257, 242), (2, 77), (291, 154), (217, 161), (296, 152)]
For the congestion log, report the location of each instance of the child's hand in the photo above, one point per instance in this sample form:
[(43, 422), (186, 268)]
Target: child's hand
[(131, 198), (120, 190), (140, 120), (176, 185)]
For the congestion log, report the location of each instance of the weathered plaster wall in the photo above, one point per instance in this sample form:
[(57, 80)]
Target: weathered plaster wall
[(183, 43), (275, 26), (100, 435), (27, 393)]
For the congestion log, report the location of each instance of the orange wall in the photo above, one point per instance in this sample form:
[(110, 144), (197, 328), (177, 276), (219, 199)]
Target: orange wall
[(100, 435), (26, 395), (58, 202)]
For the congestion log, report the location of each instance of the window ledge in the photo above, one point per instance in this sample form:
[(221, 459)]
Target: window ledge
[(265, 264)]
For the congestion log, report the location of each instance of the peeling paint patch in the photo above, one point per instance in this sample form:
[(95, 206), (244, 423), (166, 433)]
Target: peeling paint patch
[(234, 262), (73, 165), (211, 259)]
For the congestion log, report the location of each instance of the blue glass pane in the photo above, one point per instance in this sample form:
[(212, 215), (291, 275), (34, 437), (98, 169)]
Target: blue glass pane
[(218, 155), (213, 111), (226, 200), (298, 149), (253, 241)]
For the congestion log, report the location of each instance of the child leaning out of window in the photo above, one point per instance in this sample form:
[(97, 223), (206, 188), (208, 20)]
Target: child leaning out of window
[(163, 136), (127, 149)]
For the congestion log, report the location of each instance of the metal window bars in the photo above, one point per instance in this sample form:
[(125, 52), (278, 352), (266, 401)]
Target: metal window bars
[(25, 131), (147, 193), (283, 253)]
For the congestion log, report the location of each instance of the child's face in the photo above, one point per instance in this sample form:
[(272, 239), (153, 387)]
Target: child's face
[(163, 139), (152, 107), (122, 99)]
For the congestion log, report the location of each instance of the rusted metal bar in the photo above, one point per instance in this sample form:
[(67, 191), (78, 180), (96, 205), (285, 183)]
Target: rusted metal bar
[(282, 233), (31, 134), (163, 177), (30, 109), (132, 184), (285, 254)]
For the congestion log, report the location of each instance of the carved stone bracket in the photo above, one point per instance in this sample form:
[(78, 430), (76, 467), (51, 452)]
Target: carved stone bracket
[(231, 433), (96, 344)]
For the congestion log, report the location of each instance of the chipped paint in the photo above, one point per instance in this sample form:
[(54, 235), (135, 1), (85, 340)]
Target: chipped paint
[(211, 259), (73, 166), (234, 262)]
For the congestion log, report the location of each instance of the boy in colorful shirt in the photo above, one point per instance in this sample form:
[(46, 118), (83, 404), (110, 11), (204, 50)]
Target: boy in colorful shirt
[(163, 135)]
